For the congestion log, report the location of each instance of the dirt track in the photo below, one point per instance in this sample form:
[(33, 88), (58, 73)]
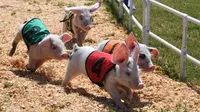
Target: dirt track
[(23, 91)]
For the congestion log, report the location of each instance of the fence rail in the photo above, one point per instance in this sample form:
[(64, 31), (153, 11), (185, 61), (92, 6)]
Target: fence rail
[(145, 28)]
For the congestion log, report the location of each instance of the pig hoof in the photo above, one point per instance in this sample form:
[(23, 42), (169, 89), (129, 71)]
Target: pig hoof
[(28, 69), (12, 52), (67, 89), (69, 84), (122, 107)]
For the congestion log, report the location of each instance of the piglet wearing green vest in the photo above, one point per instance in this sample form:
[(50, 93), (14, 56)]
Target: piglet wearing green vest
[(79, 21), (42, 46)]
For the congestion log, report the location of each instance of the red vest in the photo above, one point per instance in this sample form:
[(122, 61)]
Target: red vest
[(111, 45), (97, 65)]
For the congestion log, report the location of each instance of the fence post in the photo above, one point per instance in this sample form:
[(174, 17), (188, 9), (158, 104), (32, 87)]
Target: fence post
[(184, 48), (130, 15), (121, 10), (111, 2), (146, 22)]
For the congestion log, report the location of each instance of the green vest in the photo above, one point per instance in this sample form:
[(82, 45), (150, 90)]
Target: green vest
[(34, 31)]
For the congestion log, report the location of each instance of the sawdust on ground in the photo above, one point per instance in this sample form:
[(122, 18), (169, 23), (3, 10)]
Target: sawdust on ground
[(41, 91)]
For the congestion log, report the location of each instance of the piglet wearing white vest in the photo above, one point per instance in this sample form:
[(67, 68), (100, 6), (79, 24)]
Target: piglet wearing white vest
[(79, 21), (42, 45), (145, 54), (107, 70)]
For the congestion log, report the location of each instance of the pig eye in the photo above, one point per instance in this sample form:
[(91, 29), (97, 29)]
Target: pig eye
[(81, 16), (128, 73), (142, 56), (53, 47)]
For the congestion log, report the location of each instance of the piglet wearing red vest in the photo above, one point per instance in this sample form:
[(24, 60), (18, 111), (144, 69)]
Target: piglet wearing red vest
[(125, 72), (81, 21), (146, 53), (50, 47)]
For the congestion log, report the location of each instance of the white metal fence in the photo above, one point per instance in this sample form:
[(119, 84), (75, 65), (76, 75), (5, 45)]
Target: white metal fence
[(146, 28)]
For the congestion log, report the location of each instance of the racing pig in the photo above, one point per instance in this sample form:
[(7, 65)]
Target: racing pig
[(107, 70), (145, 55), (78, 21), (42, 45)]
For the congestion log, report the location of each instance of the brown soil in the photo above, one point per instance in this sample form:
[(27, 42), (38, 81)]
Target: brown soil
[(41, 91)]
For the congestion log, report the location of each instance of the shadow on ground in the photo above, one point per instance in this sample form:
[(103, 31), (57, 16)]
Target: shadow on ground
[(107, 102), (41, 79)]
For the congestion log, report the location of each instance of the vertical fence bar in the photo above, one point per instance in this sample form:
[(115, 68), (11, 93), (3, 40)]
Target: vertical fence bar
[(111, 2), (121, 10), (130, 15), (146, 22), (144, 2), (184, 48)]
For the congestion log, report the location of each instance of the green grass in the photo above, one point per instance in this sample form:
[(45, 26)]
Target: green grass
[(169, 27), (70, 5), (61, 4), (90, 2)]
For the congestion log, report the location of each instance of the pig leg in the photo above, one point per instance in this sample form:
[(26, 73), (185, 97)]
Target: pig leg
[(34, 64), (69, 75), (125, 91), (18, 37), (31, 65), (111, 89), (38, 64), (70, 44), (80, 36)]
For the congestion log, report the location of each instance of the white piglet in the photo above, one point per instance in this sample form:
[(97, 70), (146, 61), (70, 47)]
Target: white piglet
[(145, 53), (107, 70), (42, 45), (78, 21)]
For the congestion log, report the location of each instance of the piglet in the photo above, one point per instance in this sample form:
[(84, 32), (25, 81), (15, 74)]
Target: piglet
[(42, 45), (79, 21), (107, 70), (145, 54)]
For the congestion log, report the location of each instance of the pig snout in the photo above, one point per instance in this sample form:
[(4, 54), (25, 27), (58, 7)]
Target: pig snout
[(147, 68), (88, 27), (140, 86), (64, 56), (152, 68)]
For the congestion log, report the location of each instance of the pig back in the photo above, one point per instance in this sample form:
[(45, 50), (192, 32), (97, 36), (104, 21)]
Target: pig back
[(34, 31), (111, 45), (97, 66)]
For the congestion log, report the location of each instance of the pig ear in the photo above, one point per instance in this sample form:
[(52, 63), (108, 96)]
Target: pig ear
[(72, 9), (95, 6), (130, 41), (135, 52), (120, 55), (65, 37), (154, 52), (45, 42), (75, 47)]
